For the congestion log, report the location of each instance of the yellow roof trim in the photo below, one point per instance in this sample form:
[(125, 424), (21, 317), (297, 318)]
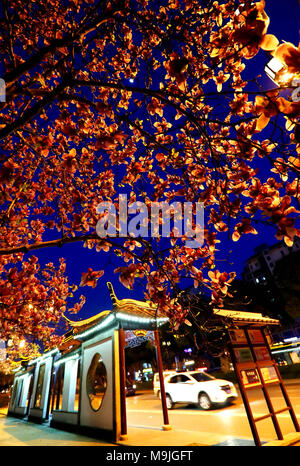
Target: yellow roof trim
[(129, 305), (80, 323), (242, 315)]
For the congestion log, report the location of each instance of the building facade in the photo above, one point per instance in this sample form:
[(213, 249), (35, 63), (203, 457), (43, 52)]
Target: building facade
[(260, 267), (80, 385)]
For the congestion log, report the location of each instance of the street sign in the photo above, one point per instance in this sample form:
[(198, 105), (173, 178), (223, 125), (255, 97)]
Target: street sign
[(255, 368)]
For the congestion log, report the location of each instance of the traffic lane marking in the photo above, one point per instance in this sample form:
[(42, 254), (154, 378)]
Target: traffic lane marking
[(205, 413), (174, 411)]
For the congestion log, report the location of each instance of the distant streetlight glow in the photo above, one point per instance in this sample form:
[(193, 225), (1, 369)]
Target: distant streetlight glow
[(189, 363)]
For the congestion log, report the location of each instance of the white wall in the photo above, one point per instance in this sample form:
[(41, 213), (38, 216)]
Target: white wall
[(21, 388), (103, 418), (42, 410), (67, 415)]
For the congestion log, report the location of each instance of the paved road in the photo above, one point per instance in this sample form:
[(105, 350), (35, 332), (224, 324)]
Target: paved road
[(144, 409), (191, 426)]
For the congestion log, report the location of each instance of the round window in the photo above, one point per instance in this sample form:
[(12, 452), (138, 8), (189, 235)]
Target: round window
[(96, 382)]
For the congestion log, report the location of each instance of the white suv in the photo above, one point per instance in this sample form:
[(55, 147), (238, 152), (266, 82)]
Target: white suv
[(199, 388), (156, 382)]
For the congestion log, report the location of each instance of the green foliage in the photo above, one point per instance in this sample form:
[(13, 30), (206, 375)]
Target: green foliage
[(290, 372)]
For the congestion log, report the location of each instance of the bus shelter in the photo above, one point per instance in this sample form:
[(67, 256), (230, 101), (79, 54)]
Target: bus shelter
[(80, 386)]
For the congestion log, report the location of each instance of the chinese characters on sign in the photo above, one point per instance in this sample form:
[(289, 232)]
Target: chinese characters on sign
[(269, 374), (243, 355), (262, 353), (252, 356), (255, 336), (250, 377), (237, 336)]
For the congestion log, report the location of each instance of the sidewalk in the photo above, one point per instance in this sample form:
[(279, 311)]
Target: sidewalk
[(17, 432)]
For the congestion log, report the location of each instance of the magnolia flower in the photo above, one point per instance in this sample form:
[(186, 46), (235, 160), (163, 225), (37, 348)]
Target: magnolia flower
[(288, 55), (90, 277)]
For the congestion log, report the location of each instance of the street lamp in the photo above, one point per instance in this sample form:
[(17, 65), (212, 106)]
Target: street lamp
[(278, 72)]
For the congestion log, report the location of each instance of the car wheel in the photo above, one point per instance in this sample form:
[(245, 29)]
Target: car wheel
[(169, 401), (204, 401)]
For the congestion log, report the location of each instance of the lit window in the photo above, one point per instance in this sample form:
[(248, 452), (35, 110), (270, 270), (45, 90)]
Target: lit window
[(58, 389), (39, 388)]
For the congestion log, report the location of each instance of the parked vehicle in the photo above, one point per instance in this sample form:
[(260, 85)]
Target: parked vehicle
[(130, 388), (156, 383), (199, 388)]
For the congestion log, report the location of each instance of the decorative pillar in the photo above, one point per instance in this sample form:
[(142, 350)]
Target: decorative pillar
[(124, 435), (166, 425)]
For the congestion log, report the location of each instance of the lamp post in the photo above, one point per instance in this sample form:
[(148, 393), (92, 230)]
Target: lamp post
[(279, 73)]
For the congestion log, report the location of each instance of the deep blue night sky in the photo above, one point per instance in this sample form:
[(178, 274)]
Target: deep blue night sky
[(284, 24)]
